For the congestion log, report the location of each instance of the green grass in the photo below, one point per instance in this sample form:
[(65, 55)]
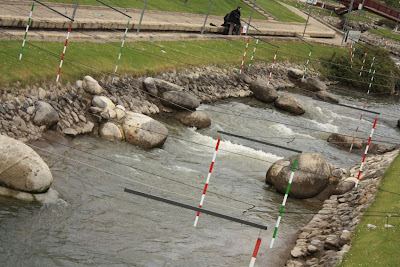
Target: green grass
[(386, 33), (354, 17), (379, 247), (219, 7), (138, 58), (279, 11)]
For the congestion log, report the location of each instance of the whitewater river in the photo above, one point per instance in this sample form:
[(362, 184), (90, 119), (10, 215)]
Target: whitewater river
[(97, 224)]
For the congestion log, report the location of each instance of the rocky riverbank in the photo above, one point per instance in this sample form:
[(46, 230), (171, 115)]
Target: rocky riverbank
[(326, 238)]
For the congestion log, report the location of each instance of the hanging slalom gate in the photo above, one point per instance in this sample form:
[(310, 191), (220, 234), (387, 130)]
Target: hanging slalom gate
[(123, 40), (244, 55), (283, 203), (254, 51), (362, 112), (207, 181), (272, 67), (308, 60), (26, 31), (365, 153), (363, 62)]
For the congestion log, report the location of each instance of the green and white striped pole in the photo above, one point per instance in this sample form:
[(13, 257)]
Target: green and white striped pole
[(254, 51), (120, 51), (26, 31), (283, 203), (308, 60)]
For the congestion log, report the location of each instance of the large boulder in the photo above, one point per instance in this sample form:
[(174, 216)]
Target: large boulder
[(179, 100), (345, 141), (310, 178), (196, 119), (103, 102), (164, 86), (263, 92), (144, 131), (324, 95), (289, 103), (45, 115), (150, 86), (295, 73), (111, 131), (91, 86), (21, 168), (313, 84)]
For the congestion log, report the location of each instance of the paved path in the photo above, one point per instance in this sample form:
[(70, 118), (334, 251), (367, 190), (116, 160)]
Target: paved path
[(94, 21)]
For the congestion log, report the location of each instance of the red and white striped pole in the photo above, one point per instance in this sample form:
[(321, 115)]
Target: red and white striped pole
[(362, 66), (351, 54), (26, 31), (244, 55), (253, 258), (362, 113), (272, 67), (63, 55), (365, 153), (206, 185)]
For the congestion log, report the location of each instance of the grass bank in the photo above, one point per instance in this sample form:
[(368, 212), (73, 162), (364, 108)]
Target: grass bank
[(380, 246), (41, 60), (386, 33), (279, 11)]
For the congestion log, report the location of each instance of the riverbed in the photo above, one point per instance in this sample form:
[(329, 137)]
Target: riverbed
[(95, 223)]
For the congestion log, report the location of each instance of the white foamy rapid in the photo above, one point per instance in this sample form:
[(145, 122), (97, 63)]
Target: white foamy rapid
[(284, 131), (226, 147)]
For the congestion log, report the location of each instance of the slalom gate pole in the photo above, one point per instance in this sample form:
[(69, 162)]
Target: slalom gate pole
[(244, 55), (366, 152), (206, 185), (26, 31), (372, 64), (283, 203), (351, 54), (362, 114), (272, 67), (253, 258), (120, 51), (362, 66), (66, 40), (308, 60), (254, 51)]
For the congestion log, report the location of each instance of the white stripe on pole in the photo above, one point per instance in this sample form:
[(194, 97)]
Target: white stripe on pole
[(362, 67), (207, 181), (120, 51), (26, 31)]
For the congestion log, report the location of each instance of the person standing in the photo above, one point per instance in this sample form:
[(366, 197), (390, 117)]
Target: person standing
[(234, 20)]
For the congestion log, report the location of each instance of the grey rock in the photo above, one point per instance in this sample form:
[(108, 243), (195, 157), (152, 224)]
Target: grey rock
[(313, 84), (289, 103), (88, 127), (22, 168), (42, 93), (91, 86), (164, 86), (196, 119), (150, 86), (95, 110), (343, 140), (245, 78), (337, 173), (110, 131), (70, 131), (45, 115), (30, 110), (82, 118), (296, 252), (312, 249), (295, 73), (180, 100), (309, 183), (262, 92), (324, 95)]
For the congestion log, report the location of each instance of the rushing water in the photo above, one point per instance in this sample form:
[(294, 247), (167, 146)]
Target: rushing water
[(95, 223)]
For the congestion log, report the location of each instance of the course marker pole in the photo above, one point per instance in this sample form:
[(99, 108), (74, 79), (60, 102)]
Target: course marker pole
[(365, 153), (244, 55), (254, 51), (26, 31), (253, 258), (362, 66), (272, 67), (308, 60), (206, 185), (351, 54), (120, 51), (283, 203), (362, 114), (63, 55), (372, 64)]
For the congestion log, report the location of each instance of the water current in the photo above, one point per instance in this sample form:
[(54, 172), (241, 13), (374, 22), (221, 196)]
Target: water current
[(95, 223)]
